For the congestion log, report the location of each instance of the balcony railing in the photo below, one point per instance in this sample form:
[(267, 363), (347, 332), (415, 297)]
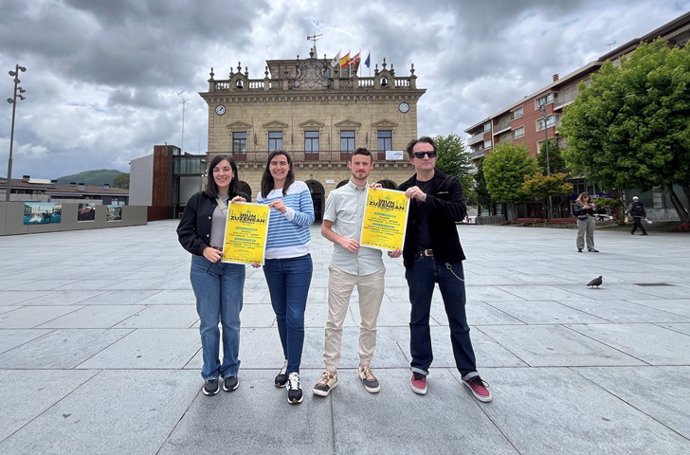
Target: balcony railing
[(476, 138), (364, 83), (303, 156)]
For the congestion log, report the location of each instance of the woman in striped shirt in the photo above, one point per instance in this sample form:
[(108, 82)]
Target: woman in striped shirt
[(288, 266)]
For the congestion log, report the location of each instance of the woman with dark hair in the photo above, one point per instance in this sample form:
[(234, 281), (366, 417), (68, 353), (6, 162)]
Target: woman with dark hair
[(288, 266), (217, 286), (584, 211)]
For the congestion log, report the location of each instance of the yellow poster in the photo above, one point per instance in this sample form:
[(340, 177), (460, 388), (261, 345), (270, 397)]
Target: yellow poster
[(246, 229), (385, 219)]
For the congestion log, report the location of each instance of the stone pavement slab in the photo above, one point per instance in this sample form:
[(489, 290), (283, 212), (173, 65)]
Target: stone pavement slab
[(100, 352)]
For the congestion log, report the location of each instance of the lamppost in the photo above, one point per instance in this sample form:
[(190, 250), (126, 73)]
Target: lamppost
[(184, 101), (542, 109), (13, 101)]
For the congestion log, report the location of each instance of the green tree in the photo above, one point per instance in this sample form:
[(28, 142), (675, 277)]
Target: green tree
[(505, 170), (483, 196), (630, 128), (540, 187), (121, 181), (556, 161), (453, 159)]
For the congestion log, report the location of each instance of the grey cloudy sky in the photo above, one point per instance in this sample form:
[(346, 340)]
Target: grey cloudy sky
[(103, 76)]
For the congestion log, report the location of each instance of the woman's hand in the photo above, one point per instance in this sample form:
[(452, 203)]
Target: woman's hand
[(238, 199), (279, 205), (212, 254)]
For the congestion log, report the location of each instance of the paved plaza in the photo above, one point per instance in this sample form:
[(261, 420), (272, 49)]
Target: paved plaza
[(100, 352)]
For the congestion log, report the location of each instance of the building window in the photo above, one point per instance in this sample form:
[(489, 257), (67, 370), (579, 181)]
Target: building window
[(487, 144), (517, 113), (384, 140), (275, 140), (239, 141), (347, 141), (551, 120), (546, 99), (519, 132), (311, 141), (487, 127)]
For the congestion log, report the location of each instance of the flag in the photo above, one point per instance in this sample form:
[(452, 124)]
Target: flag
[(345, 59), (367, 62), (353, 64), (336, 59)]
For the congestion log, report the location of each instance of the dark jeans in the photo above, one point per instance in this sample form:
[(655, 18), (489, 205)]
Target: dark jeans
[(288, 283), (421, 277), (637, 223)]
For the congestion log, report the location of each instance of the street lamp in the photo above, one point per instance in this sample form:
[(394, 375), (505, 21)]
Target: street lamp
[(542, 109), (13, 101), (184, 101)]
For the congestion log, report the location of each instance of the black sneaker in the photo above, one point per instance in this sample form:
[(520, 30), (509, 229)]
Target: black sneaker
[(211, 387), (371, 384), (326, 383), (592, 250), (282, 377), (231, 383), (579, 250), (294, 389)]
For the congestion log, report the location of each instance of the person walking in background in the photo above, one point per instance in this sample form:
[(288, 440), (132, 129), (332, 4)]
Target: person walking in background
[(352, 265), (637, 211), (217, 286), (288, 266), (584, 211), (433, 254)]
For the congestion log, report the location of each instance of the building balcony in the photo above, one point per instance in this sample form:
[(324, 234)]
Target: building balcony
[(476, 154), (302, 156), (476, 138)]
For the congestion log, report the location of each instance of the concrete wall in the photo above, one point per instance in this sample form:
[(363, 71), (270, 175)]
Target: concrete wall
[(141, 180), (12, 219)]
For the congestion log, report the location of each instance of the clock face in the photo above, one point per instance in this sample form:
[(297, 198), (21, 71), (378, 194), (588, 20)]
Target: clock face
[(404, 107), (220, 109)]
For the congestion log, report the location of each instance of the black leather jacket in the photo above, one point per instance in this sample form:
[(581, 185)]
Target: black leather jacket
[(446, 205), (194, 230)]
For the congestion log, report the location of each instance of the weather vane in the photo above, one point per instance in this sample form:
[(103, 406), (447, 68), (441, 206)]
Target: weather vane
[(314, 38)]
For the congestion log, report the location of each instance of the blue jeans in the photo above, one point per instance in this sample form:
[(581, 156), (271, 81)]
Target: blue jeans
[(288, 283), (218, 290), (421, 277)]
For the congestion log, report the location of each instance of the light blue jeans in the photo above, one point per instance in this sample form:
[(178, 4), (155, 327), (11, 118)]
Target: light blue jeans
[(288, 283), (218, 289)]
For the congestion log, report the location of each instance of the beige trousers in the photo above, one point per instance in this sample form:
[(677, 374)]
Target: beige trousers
[(340, 286)]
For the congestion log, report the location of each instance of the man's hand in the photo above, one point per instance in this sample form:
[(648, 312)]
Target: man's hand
[(350, 245), (394, 253), (416, 193)]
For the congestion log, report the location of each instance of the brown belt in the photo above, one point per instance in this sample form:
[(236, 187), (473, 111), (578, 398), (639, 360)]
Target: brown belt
[(427, 252)]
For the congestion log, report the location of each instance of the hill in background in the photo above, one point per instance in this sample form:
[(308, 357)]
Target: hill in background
[(97, 177)]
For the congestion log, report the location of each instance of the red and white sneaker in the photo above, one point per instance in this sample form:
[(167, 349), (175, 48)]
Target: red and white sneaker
[(478, 388), (418, 383)]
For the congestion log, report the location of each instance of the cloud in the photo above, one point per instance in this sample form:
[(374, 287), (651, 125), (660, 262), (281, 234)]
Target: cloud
[(103, 77)]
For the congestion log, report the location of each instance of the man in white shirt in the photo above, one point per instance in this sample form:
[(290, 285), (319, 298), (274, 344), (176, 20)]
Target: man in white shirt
[(351, 266)]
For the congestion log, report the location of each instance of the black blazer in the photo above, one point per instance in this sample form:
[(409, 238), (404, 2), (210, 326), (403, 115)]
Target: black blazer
[(194, 230), (446, 206)]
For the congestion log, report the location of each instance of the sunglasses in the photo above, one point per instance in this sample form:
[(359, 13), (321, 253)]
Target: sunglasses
[(420, 155)]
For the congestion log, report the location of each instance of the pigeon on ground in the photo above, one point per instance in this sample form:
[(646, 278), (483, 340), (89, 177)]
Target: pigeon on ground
[(595, 282)]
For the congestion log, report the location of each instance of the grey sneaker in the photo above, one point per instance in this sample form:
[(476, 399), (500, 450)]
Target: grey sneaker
[(282, 377), (294, 389), (211, 387), (327, 383), (231, 383), (366, 375)]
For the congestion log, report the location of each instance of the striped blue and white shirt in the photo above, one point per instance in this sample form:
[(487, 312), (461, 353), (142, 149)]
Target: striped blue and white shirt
[(288, 233)]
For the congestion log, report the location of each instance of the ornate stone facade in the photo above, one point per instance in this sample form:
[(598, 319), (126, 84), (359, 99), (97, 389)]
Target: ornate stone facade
[(318, 114)]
